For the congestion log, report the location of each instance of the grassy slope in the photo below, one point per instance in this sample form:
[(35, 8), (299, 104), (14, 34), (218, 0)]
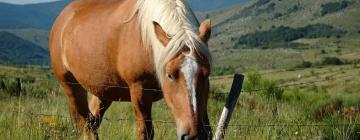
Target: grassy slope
[(296, 107), (231, 23), (15, 50), (37, 36)]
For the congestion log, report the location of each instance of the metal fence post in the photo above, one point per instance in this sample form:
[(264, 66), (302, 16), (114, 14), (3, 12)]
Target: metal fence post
[(229, 106)]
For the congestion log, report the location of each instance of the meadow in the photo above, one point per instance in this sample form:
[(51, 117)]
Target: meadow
[(304, 103), (296, 87)]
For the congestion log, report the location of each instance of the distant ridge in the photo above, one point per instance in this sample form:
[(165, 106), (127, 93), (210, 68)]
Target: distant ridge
[(40, 16), (15, 50)]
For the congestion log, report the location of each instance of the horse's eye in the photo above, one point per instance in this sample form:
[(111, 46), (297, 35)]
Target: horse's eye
[(171, 77)]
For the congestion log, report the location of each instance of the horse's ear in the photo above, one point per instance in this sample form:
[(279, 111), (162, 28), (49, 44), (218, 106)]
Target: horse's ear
[(161, 34), (205, 30)]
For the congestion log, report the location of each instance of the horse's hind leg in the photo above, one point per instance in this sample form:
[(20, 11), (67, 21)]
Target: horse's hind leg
[(97, 109), (78, 104)]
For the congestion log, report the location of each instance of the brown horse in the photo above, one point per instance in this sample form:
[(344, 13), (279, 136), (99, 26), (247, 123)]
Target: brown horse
[(119, 49)]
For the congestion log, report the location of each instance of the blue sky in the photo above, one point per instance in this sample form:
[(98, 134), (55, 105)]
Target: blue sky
[(25, 1)]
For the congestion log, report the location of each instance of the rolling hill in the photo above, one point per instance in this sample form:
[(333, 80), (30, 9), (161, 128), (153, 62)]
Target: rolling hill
[(209, 5), (42, 15), (296, 31), (300, 30), (263, 15), (15, 50)]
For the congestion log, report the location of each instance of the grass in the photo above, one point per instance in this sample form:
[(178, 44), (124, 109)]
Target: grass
[(256, 115)]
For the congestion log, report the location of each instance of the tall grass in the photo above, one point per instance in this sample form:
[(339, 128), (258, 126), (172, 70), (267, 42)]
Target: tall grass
[(289, 113)]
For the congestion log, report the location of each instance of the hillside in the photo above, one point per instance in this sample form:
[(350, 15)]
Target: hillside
[(263, 15), (209, 5), (39, 16), (15, 50), (258, 34), (42, 15), (299, 30), (39, 37)]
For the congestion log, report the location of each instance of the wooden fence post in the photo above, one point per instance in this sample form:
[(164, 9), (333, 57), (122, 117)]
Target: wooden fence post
[(229, 106)]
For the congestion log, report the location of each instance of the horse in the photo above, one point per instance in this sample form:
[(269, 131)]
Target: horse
[(133, 51)]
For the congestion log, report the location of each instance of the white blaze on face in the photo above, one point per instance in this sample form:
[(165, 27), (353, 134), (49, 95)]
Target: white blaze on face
[(189, 68)]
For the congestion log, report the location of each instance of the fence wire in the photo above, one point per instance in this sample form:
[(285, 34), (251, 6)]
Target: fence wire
[(243, 131), (171, 122)]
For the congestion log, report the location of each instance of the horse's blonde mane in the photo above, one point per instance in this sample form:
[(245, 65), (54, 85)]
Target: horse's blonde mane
[(178, 21)]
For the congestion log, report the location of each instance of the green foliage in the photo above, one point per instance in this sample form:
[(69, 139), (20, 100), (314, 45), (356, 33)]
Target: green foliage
[(15, 50), (305, 64), (262, 2), (282, 36), (333, 7), (332, 61), (344, 132), (222, 71), (11, 86), (256, 84), (39, 16), (218, 92), (293, 9)]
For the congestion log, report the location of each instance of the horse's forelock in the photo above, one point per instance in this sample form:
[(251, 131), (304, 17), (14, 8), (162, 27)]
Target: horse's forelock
[(179, 21)]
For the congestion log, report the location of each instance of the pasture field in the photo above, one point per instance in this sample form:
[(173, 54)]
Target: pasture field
[(312, 103)]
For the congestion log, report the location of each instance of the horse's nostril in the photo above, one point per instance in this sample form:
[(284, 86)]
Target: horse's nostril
[(187, 137), (183, 136)]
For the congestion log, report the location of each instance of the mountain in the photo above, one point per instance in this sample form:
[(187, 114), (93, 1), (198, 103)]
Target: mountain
[(39, 37), (273, 34), (209, 5), (15, 50), (39, 16), (242, 34), (42, 15), (262, 16)]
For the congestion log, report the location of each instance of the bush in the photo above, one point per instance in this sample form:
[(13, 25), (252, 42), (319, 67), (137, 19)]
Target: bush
[(333, 7), (218, 92), (272, 89), (305, 64), (254, 83), (332, 61), (283, 36), (222, 71), (11, 86), (262, 2)]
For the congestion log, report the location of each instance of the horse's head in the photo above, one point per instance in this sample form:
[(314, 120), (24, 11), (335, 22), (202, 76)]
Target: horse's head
[(185, 85)]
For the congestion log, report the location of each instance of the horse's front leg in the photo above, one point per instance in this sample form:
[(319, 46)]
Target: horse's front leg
[(141, 104)]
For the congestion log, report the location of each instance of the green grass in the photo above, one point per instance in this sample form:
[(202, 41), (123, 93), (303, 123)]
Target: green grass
[(256, 116)]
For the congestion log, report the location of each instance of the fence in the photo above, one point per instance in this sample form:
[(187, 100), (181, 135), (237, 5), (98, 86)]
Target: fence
[(248, 131), (251, 131)]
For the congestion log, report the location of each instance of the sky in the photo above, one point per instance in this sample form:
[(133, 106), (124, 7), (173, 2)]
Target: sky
[(25, 1)]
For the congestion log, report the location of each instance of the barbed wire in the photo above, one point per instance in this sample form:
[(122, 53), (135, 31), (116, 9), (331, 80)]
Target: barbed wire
[(171, 122), (295, 84), (303, 84)]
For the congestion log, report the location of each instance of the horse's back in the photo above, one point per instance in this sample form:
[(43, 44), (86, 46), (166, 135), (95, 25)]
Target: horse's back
[(87, 27), (85, 40)]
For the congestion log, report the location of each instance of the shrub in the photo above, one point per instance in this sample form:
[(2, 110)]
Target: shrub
[(333, 7), (256, 84), (222, 70), (11, 86), (262, 2), (332, 61), (305, 64), (217, 92), (272, 90), (283, 36)]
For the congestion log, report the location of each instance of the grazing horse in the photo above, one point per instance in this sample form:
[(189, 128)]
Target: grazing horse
[(119, 50)]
